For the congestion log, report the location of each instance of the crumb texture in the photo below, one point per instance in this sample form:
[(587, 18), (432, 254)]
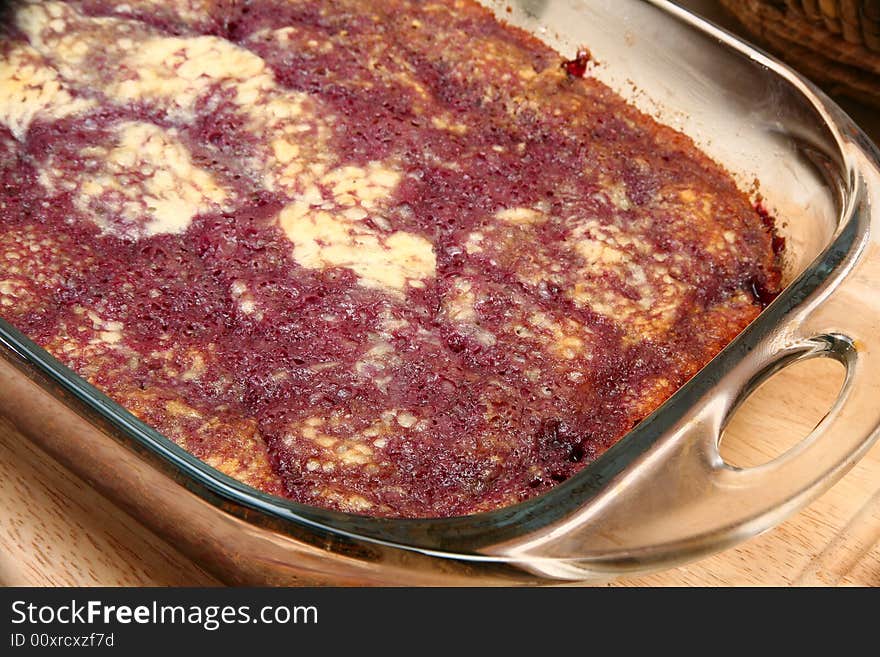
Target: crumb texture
[(390, 258)]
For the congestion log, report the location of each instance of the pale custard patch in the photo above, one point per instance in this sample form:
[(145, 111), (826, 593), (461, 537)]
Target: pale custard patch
[(252, 470), (30, 88), (11, 291), (474, 243), (324, 239), (458, 307), (350, 502), (597, 253), (606, 249), (568, 338), (353, 185), (130, 62), (376, 362), (335, 450), (334, 233), (146, 65), (444, 123), (617, 195), (520, 216), (143, 183), (379, 358), (334, 445), (458, 303)]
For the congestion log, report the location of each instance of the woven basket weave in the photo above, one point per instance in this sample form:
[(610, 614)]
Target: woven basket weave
[(834, 42)]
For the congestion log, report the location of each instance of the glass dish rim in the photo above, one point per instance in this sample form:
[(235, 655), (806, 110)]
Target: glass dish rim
[(461, 537)]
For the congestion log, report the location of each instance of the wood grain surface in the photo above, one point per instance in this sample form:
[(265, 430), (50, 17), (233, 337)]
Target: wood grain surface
[(55, 530)]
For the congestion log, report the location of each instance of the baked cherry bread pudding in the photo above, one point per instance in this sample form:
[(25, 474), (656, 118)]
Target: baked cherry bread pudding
[(393, 258)]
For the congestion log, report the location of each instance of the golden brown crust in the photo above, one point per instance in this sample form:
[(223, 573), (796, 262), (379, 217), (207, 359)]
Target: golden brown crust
[(390, 258)]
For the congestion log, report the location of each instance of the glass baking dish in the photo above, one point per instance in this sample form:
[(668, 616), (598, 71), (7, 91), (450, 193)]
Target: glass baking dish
[(663, 494)]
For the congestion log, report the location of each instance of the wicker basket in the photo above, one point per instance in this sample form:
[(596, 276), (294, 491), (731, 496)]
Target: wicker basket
[(834, 42)]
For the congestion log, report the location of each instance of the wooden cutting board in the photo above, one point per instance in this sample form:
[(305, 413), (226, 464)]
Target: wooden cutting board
[(55, 530)]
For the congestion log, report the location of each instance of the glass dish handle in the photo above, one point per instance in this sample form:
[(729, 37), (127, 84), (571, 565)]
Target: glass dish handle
[(681, 500)]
